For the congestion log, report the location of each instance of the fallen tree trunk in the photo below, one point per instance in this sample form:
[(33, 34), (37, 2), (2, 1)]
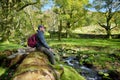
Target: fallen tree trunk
[(35, 67)]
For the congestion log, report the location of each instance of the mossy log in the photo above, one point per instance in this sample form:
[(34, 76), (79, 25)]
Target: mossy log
[(35, 66)]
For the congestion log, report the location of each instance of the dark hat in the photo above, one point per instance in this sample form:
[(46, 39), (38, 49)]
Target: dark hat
[(40, 26)]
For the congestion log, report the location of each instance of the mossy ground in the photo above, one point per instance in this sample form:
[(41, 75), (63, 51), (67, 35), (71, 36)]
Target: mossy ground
[(71, 74)]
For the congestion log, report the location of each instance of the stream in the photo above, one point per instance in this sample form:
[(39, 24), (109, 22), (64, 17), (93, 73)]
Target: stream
[(88, 73)]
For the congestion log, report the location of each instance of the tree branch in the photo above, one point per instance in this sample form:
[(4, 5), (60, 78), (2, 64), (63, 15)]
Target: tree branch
[(26, 6), (102, 25), (113, 27)]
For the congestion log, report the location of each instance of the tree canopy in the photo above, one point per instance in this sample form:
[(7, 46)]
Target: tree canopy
[(108, 9), (71, 13), (11, 13)]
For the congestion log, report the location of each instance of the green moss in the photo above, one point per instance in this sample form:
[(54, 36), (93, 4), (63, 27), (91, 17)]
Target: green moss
[(32, 63), (71, 74), (2, 70)]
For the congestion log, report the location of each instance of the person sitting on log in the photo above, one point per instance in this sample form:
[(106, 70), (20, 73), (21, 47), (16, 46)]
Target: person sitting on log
[(42, 44)]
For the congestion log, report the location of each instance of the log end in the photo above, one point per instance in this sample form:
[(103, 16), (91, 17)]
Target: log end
[(35, 75)]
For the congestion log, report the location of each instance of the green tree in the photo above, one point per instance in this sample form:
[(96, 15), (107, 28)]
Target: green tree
[(51, 22), (58, 12), (109, 10), (71, 14), (8, 11)]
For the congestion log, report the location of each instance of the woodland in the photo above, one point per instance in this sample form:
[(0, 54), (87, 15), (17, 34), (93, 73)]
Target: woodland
[(84, 35)]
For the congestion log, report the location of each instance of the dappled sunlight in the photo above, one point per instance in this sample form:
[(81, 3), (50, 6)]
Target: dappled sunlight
[(88, 42), (84, 36)]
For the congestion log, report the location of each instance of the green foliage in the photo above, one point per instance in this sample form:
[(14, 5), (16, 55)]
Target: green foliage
[(105, 75), (107, 10), (71, 13), (2, 70), (12, 20), (97, 58)]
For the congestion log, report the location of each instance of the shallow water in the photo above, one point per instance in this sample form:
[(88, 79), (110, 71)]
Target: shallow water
[(88, 73)]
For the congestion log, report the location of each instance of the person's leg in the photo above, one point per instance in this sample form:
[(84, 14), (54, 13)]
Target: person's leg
[(48, 53)]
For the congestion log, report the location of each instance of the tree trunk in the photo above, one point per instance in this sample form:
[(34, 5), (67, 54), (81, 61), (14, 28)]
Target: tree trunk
[(109, 34), (5, 36), (108, 30), (59, 30), (67, 30), (35, 67)]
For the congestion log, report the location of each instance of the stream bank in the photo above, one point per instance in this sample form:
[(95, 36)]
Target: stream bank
[(93, 62)]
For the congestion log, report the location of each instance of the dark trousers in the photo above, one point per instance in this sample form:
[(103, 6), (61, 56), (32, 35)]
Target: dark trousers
[(49, 53)]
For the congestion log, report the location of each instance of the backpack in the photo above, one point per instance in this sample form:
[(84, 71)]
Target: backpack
[(32, 41)]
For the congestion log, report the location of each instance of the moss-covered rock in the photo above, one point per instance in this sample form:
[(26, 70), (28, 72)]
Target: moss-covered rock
[(71, 74)]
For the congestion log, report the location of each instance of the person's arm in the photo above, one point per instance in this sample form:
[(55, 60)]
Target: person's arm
[(41, 38)]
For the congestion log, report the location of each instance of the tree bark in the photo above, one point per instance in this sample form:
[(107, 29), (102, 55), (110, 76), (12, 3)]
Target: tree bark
[(59, 30), (109, 34), (35, 67), (108, 30)]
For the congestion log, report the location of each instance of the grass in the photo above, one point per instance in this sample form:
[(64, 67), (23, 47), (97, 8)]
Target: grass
[(4, 46), (113, 43)]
